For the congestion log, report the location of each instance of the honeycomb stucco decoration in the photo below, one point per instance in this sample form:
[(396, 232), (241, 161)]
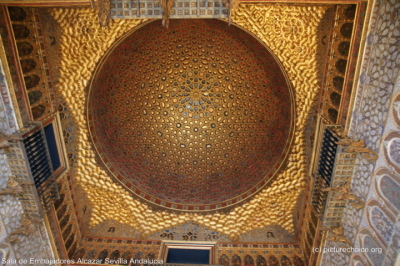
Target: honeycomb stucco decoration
[(83, 45)]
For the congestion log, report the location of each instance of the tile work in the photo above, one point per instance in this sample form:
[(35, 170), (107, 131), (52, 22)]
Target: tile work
[(374, 119), (36, 245)]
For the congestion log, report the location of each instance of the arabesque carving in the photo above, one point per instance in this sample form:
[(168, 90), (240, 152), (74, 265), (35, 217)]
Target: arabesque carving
[(28, 226), (358, 146), (343, 193), (13, 187), (337, 235), (351, 142), (290, 33), (341, 189), (5, 140)]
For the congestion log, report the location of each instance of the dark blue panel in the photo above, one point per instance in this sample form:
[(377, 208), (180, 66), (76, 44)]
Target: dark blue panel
[(51, 143), (189, 256)]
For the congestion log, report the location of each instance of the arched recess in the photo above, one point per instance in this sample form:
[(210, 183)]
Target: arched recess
[(236, 260), (103, 255), (138, 256), (248, 260), (273, 261), (368, 241), (127, 255), (387, 187), (298, 261), (261, 261), (115, 255), (91, 254), (381, 221), (285, 261), (151, 255)]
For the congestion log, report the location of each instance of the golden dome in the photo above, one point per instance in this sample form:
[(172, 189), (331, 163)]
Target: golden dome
[(198, 117)]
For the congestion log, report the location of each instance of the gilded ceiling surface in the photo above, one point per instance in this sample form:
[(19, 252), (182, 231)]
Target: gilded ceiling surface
[(200, 114), (289, 31)]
